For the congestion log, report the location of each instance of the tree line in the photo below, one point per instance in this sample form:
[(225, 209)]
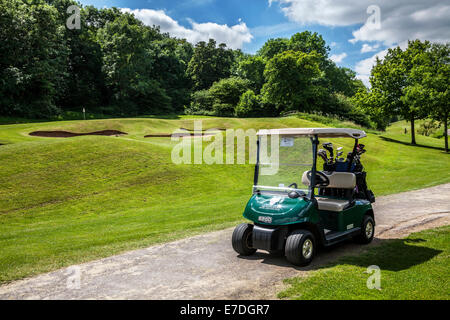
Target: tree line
[(115, 65)]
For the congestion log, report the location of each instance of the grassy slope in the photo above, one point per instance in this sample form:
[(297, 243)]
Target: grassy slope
[(412, 268), (396, 132), (65, 201)]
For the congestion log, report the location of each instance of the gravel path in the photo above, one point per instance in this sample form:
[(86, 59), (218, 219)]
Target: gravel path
[(206, 267)]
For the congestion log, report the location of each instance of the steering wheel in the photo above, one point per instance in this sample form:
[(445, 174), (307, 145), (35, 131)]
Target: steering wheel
[(321, 179), (293, 185)]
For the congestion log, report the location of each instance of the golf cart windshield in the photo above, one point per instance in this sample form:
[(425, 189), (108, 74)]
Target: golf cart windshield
[(283, 173)]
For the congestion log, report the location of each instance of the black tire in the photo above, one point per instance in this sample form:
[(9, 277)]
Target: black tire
[(294, 247), (366, 237), (242, 239)]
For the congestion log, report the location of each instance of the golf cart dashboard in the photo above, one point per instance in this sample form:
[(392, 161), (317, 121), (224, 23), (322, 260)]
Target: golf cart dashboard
[(277, 191)]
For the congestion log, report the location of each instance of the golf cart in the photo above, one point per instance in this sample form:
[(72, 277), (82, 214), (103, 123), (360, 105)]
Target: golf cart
[(299, 208)]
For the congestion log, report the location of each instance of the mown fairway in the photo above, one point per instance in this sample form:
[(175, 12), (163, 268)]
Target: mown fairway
[(69, 200)]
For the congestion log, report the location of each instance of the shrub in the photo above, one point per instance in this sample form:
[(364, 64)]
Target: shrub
[(229, 90), (223, 109), (202, 103), (428, 127), (249, 105)]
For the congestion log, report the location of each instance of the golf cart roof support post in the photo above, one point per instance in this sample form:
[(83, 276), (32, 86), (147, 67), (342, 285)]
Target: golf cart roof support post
[(355, 146), (255, 178), (315, 143)]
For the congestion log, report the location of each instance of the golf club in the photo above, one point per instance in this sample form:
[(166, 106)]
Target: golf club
[(329, 147)]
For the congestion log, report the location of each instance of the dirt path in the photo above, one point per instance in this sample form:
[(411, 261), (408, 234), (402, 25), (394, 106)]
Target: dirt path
[(206, 267)]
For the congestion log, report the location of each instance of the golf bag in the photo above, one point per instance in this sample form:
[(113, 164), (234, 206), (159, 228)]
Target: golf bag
[(362, 192)]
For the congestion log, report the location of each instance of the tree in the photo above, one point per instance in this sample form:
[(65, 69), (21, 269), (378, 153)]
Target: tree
[(290, 76), (226, 94), (129, 63), (209, 64), (430, 82), (202, 102), (393, 85), (272, 47), (370, 102), (437, 82), (252, 69), (33, 59), (169, 67), (308, 42), (341, 80), (249, 105)]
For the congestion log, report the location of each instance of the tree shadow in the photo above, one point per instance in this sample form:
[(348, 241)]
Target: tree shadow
[(162, 116), (394, 255), (388, 254), (412, 145)]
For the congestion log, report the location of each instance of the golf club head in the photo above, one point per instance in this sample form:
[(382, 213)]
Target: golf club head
[(329, 147), (361, 152), (323, 154)]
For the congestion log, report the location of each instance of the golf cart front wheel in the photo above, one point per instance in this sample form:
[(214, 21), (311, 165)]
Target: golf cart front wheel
[(242, 239), (300, 247), (367, 231)]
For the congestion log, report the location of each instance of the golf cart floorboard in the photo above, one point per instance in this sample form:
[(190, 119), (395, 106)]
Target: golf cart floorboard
[(336, 236)]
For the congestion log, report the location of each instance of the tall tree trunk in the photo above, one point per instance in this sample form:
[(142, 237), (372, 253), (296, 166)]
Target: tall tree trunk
[(446, 132), (413, 133)]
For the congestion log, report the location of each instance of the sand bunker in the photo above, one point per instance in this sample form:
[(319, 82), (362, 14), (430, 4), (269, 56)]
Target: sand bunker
[(186, 133), (179, 134), (215, 129), (67, 134)]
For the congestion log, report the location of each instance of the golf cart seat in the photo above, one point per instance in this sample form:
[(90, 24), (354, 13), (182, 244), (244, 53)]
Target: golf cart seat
[(343, 180), (334, 205)]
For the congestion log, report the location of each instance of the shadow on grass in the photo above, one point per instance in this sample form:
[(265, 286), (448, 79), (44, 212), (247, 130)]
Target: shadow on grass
[(388, 254), (165, 117), (411, 145)]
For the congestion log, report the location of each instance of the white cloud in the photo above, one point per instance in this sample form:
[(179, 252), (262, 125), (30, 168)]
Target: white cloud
[(428, 21), (400, 21), (368, 48), (337, 58), (234, 36), (364, 67)]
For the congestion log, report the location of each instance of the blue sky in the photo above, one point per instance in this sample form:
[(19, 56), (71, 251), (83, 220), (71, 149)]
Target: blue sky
[(355, 31)]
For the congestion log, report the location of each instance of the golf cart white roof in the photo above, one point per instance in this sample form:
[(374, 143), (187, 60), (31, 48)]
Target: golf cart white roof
[(320, 132)]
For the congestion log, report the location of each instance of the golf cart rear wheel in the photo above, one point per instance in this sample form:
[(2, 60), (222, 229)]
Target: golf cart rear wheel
[(367, 231), (300, 247), (242, 239)]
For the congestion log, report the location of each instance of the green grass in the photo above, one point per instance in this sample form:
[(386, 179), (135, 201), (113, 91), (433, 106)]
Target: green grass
[(412, 268), (396, 133), (66, 201)]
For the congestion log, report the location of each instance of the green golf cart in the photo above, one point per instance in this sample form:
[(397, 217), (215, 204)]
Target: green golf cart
[(296, 208)]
